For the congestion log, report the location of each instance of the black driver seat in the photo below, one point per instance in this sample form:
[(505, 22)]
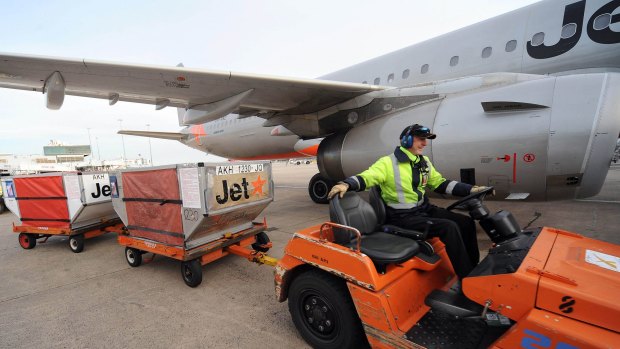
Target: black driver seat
[(382, 248)]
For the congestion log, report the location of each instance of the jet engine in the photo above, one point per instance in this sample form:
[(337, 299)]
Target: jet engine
[(537, 138)]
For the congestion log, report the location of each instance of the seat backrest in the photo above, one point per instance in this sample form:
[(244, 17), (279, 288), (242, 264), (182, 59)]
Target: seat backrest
[(353, 211), (376, 201)]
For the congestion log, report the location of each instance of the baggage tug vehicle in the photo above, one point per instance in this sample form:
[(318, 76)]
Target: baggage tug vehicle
[(355, 282)]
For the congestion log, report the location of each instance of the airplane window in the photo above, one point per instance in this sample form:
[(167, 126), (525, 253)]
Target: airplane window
[(486, 52), (377, 81), (424, 69), (405, 73), (454, 61), (391, 78), (511, 45), (538, 39), (603, 21), (569, 30)]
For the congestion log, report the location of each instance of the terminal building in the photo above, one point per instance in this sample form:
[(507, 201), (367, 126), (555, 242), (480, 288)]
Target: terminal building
[(61, 157)]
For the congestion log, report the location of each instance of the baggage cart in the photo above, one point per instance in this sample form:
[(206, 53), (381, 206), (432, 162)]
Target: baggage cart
[(195, 213), (72, 204)]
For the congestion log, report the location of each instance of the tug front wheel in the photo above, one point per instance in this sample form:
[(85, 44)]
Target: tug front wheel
[(323, 312), (319, 187)]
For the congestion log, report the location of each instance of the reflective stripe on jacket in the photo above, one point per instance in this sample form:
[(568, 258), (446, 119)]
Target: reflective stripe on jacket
[(404, 178)]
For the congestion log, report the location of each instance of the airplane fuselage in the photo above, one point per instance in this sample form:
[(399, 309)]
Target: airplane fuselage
[(555, 37)]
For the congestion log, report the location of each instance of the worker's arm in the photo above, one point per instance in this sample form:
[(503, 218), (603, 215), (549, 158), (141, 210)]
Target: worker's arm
[(374, 175), (439, 184)]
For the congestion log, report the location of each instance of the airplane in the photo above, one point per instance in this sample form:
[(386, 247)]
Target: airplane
[(526, 102)]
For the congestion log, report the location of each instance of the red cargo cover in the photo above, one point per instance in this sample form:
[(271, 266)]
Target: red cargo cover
[(153, 205), (42, 201)]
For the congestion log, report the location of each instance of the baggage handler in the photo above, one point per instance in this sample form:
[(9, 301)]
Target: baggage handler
[(403, 177)]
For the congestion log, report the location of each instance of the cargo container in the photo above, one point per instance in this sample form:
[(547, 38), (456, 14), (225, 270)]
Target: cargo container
[(194, 213), (74, 204)]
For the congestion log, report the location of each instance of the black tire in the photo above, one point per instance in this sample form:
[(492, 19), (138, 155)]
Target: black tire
[(133, 256), (76, 243), (323, 312), (192, 272), (27, 241), (319, 187), (261, 239)]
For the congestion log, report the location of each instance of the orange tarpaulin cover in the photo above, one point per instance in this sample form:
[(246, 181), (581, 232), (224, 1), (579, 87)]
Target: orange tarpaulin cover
[(144, 193), (42, 201)]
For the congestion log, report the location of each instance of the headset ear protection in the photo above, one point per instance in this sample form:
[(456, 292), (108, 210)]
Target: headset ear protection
[(406, 141)]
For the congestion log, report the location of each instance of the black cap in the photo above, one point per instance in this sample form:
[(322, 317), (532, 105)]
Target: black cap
[(418, 131)]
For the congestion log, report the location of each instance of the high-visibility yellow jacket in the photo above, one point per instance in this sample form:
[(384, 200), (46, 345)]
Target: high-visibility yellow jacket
[(403, 178)]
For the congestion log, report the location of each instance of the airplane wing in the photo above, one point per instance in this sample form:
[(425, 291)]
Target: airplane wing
[(205, 94), (175, 136)]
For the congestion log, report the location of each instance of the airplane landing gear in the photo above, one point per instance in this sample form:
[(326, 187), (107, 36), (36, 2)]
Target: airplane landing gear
[(319, 187)]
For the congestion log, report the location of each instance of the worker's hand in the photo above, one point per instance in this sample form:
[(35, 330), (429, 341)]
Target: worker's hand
[(478, 188), (340, 188)]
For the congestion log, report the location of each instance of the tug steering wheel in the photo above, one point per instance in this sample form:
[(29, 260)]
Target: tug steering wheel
[(462, 203)]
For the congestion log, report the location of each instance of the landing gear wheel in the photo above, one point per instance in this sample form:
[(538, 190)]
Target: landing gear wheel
[(76, 243), (323, 312), (27, 241), (192, 272), (261, 240), (319, 187), (133, 256)]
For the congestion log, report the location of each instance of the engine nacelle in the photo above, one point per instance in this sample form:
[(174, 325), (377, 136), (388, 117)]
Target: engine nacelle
[(542, 139)]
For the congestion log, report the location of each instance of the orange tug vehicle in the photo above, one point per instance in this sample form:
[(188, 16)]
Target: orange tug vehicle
[(354, 283)]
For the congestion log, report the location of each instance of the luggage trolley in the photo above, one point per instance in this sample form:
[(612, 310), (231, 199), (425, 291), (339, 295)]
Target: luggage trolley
[(73, 204), (195, 213)]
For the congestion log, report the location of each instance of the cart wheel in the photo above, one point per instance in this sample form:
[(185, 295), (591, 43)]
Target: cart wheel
[(27, 241), (76, 243), (134, 256), (323, 312), (261, 239), (192, 272)]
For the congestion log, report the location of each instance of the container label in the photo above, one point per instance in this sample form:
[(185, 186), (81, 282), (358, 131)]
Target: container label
[(190, 188), (96, 187), (238, 169), (72, 187), (603, 260), (237, 189)]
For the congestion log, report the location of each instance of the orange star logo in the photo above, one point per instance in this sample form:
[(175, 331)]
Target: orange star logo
[(258, 186)]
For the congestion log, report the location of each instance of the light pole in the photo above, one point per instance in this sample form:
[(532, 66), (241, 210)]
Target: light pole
[(90, 144), (148, 128), (98, 149), (120, 122)]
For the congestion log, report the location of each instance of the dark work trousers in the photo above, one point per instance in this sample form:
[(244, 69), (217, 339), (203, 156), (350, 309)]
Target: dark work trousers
[(456, 231)]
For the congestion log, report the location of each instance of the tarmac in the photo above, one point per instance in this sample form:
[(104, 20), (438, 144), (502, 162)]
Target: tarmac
[(51, 297)]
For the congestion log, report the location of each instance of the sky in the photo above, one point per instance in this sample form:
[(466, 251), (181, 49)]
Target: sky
[(303, 39)]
